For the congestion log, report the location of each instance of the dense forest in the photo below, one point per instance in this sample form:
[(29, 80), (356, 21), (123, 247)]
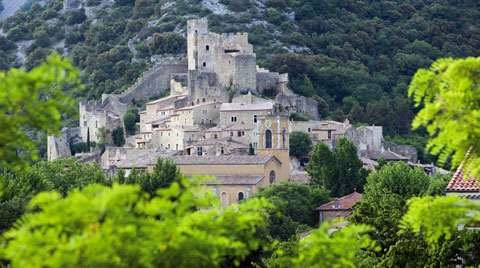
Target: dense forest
[(355, 57)]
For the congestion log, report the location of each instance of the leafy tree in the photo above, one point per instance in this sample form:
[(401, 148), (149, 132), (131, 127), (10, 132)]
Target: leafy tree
[(121, 224), (117, 137), (166, 43), (300, 143), (447, 93), (32, 101), (384, 202), (165, 172), (322, 105), (340, 171), (338, 115), (381, 163), (298, 117), (294, 210), (75, 16), (62, 176), (322, 249), (130, 119), (306, 89)]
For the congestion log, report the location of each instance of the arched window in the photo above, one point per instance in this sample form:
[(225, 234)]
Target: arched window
[(240, 196), (268, 138), (224, 199), (207, 47), (284, 140), (272, 177)]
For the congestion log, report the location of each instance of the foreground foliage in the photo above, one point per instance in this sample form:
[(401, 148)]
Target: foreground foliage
[(32, 101), (121, 227), (451, 108), (61, 175)]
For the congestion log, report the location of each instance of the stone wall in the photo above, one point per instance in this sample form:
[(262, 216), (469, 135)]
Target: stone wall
[(367, 138), (299, 104), (270, 80), (59, 146), (405, 150), (154, 81)]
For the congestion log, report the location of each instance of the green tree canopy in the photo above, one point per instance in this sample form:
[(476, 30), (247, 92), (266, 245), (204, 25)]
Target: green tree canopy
[(119, 226), (62, 176), (300, 143), (340, 171), (32, 101), (448, 94), (295, 205)]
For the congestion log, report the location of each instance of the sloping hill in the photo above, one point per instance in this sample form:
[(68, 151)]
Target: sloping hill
[(356, 57)]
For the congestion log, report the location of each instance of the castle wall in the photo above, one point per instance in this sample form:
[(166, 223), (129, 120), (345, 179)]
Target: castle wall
[(245, 72), (299, 104), (59, 146), (405, 150), (155, 81)]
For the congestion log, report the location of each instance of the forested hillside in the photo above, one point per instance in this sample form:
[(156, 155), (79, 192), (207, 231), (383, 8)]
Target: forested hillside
[(355, 57)]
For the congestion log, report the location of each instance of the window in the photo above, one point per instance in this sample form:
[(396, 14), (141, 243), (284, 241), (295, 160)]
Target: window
[(205, 111), (268, 139), (231, 133), (243, 133), (199, 151), (168, 146), (215, 136), (249, 192), (234, 119), (204, 64), (255, 119), (239, 133), (284, 141), (207, 47), (255, 145), (203, 100), (329, 134), (210, 121), (215, 190), (222, 150), (240, 196), (176, 147), (202, 121), (84, 123), (96, 123), (272, 177), (309, 129)]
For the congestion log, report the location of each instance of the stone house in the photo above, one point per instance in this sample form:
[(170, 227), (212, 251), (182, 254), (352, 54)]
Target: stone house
[(338, 208)]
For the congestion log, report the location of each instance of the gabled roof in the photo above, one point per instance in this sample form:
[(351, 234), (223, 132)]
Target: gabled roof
[(388, 155), (219, 160), (344, 203), (461, 182), (236, 180), (239, 126)]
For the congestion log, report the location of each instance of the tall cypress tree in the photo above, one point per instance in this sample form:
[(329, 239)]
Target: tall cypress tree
[(88, 139)]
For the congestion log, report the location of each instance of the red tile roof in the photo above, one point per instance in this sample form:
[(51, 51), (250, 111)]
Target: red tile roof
[(344, 203), (459, 183)]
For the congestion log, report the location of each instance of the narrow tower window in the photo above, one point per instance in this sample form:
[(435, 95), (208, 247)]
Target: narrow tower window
[(207, 47), (268, 139)]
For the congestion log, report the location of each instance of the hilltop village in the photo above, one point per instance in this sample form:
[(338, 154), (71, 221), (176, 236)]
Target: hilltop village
[(216, 121)]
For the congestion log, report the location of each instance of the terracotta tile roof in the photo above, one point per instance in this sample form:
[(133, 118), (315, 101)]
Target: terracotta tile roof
[(239, 126), (344, 203), (223, 159), (459, 183), (236, 180)]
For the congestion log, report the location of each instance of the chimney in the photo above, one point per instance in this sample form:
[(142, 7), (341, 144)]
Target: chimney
[(336, 205)]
